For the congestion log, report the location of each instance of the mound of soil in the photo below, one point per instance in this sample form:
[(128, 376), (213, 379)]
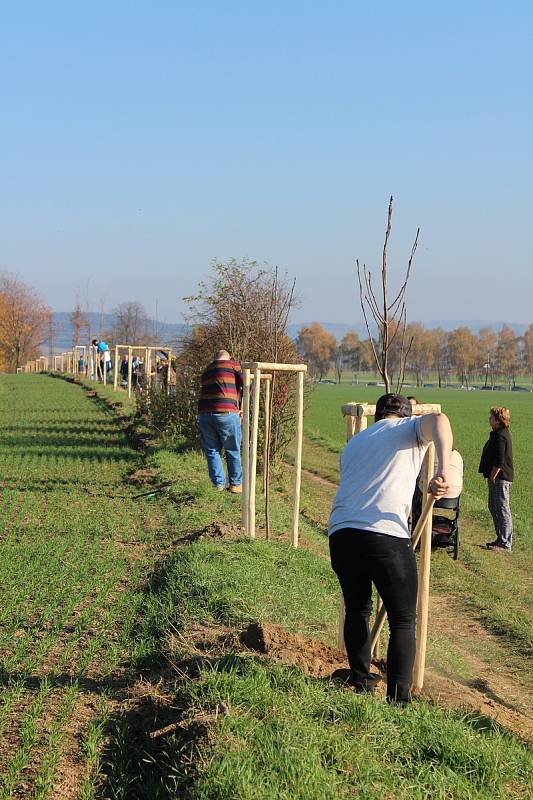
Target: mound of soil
[(142, 477), (215, 530), (312, 656)]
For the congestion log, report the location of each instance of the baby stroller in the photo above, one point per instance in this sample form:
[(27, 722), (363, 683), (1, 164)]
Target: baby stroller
[(445, 528), (445, 523)]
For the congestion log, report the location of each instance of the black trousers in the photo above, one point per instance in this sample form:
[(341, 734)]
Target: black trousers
[(361, 558)]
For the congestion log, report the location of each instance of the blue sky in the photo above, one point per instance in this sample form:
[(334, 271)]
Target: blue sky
[(141, 140)]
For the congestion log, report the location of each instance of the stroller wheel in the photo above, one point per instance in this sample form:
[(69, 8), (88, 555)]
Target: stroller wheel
[(456, 545)]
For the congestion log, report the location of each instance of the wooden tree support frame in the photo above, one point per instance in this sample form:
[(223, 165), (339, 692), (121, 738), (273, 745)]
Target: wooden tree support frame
[(68, 362), (148, 350), (253, 373), (356, 421)]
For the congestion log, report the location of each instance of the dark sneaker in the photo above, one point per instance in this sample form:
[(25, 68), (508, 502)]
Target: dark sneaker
[(344, 676), (500, 548), (488, 545)]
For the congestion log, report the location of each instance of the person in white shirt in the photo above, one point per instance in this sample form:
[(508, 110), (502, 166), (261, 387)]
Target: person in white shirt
[(369, 536)]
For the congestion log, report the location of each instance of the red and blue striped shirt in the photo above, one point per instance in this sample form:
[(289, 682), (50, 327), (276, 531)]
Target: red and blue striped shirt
[(221, 387)]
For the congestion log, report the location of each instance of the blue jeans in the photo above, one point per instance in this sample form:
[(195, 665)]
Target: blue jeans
[(222, 432)]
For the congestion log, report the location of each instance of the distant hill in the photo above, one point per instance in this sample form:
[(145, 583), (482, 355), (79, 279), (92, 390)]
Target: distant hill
[(167, 332)]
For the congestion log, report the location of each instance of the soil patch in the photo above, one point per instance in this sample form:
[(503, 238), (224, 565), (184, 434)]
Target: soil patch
[(456, 695), (72, 767), (312, 656), (320, 660), (143, 477), (215, 530)]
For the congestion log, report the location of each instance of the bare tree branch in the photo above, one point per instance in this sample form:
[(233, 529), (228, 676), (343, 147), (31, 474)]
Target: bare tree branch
[(390, 318)]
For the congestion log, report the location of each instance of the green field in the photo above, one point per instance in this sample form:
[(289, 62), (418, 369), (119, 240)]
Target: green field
[(71, 533), (468, 413), (123, 675)]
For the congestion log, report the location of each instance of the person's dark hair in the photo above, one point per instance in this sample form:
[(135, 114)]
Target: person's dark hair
[(94, 341), (392, 405)]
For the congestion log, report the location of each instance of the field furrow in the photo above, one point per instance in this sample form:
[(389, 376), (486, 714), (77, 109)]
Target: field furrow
[(67, 515)]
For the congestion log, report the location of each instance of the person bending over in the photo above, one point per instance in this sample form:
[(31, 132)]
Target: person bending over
[(219, 420), (369, 536)]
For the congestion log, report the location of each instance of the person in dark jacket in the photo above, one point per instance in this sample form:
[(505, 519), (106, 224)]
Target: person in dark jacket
[(497, 466)]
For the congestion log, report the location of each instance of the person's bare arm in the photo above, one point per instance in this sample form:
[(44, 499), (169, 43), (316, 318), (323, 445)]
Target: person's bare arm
[(495, 471), (436, 428)]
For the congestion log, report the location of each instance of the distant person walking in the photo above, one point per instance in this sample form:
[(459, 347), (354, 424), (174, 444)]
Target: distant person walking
[(219, 420), (497, 467)]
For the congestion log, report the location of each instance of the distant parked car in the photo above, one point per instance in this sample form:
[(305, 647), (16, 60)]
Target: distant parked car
[(326, 380), (520, 389)]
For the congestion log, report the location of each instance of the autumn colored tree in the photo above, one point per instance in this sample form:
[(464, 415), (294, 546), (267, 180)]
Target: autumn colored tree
[(24, 317), (350, 352), (421, 354), (527, 350), (508, 359), (487, 347), (463, 349), (318, 348), (440, 353)]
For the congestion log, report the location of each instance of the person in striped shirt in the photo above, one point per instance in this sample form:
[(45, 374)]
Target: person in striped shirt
[(219, 419)]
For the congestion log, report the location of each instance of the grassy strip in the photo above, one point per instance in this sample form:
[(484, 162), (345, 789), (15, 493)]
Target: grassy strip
[(240, 726), (249, 728)]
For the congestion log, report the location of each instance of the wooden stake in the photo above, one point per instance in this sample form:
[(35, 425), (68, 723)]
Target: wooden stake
[(298, 458), (130, 365), (427, 513), (168, 371), (374, 651), (350, 426), (256, 395), (266, 459), (115, 374), (422, 602), (245, 449), (342, 617), (148, 367), (266, 407)]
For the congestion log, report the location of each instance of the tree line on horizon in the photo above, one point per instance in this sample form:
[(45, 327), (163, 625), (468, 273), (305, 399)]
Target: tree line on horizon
[(27, 325), (487, 356)]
